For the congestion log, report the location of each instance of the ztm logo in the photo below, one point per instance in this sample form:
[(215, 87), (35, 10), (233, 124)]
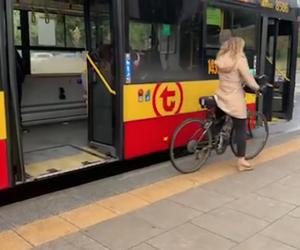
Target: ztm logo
[(167, 99)]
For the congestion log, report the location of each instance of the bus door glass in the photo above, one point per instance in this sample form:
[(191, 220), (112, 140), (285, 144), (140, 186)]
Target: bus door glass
[(282, 69), (100, 74), (277, 58)]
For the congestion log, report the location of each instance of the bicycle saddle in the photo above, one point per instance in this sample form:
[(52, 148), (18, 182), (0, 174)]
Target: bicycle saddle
[(208, 102)]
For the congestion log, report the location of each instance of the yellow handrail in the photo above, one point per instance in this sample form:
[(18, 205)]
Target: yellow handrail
[(279, 70), (101, 76)]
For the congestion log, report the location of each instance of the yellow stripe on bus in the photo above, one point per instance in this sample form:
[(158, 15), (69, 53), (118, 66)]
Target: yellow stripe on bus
[(3, 133), (146, 101)]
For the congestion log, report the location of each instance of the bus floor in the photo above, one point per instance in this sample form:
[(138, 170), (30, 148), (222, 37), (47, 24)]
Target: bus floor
[(54, 148)]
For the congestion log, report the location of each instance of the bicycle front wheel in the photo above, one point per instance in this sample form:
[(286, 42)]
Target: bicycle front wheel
[(257, 135), (190, 145)]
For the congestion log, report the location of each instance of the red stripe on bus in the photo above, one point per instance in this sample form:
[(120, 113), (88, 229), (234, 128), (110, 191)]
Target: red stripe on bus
[(153, 135), (4, 183)]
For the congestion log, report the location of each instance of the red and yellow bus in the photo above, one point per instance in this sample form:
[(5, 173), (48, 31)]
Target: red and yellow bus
[(85, 83)]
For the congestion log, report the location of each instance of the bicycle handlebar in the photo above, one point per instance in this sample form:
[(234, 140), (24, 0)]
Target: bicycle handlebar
[(263, 82)]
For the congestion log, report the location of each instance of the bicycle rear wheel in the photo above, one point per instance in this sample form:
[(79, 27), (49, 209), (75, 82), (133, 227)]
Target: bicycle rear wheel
[(257, 135), (190, 146)]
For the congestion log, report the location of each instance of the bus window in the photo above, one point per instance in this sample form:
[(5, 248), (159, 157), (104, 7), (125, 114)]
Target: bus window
[(75, 32), (165, 43), (46, 29), (245, 27), (17, 27), (222, 23), (140, 36), (101, 34), (225, 23), (56, 62), (51, 31)]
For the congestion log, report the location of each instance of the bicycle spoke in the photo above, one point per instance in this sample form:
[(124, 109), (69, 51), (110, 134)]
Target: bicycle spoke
[(189, 146)]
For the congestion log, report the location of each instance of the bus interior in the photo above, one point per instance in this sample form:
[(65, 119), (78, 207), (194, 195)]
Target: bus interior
[(50, 42)]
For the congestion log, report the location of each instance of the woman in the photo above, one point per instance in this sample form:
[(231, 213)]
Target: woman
[(230, 97)]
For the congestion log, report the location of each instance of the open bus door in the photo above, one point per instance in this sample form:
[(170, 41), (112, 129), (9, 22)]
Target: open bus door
[(278, 62), (102, 77), (9, 81)]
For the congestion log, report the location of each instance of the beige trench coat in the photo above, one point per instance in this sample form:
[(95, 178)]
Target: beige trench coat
[(230, 96)]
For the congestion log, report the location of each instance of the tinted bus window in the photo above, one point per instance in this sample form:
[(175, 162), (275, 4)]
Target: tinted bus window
[(51, 31), (165, 40), (17, 28), (223, 23)]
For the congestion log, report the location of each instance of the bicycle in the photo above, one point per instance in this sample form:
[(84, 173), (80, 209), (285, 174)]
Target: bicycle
[(194, 139)]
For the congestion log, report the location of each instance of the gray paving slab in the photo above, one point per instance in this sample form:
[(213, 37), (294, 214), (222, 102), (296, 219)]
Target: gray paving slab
[(230, 186), (288, 163), (286, 230), (190, 237), (143, 246), (93, 191), (261, 207), (4, 224), (263, 174), (239, 185), (61, 201), (291, 180), (77, 241), (143, 177), (295, 212), (24, 212), (201, 199), (231, 224), (260, 242), (282, 193), (243, 183), (123, 232), (166, 214)]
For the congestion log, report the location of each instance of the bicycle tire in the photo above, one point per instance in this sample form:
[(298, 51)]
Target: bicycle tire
[(253, 134), (191, 146)]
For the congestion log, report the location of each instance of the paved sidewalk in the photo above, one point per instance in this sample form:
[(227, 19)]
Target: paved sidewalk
[(257, 210), (158, 208)]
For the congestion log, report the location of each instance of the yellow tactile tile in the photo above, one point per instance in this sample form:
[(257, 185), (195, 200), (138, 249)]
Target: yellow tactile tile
[(9, 240), (88, 215), (278, 151), (42, 231), (212, 172), (162, 189), (123, 203), (152, 193)]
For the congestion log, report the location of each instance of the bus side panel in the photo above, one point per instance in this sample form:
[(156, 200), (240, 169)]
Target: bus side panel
[(152, 135), (153, 111), (4, 179), (3, 166)]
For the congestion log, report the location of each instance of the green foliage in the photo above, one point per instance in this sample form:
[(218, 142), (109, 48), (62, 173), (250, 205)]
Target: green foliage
[(75, 32), (139, 36), (17, 27)]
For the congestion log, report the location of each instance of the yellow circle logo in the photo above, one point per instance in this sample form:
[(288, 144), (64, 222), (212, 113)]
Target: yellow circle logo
[(167, 99)]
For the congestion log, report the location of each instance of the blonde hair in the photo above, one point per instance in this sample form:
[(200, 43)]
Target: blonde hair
[(225, 35), (233, 46)]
